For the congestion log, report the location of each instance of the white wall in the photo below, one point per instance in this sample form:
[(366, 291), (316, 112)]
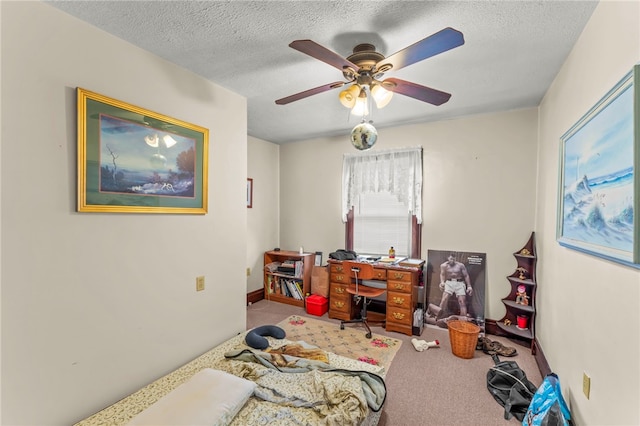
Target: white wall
[(478, 190), (263, 231), (589, 310), (94, 306)]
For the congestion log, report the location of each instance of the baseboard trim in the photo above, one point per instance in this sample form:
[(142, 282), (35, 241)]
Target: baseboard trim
[(255, 296), (541, 360)]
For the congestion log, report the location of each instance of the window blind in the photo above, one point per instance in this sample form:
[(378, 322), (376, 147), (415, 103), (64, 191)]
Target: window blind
[(381, 221)]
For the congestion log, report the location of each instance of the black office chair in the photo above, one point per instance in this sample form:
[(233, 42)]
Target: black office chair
[(363, 290)]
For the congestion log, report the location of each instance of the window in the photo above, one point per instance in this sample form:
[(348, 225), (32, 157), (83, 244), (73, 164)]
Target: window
[(382, 201), (379, 222)]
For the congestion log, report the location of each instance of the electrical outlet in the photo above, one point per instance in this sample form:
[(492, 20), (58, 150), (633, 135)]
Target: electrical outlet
[(248, 271), (200, 283), (586, 384)]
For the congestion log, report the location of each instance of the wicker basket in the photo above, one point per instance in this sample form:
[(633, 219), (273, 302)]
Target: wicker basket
[(464, 338)]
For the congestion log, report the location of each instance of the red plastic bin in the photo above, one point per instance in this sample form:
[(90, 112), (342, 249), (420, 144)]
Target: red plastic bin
[(317, 305)]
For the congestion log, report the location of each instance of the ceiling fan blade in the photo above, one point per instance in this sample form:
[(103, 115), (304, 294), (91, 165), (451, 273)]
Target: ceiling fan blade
[(323, 54), (310, 92), (416, 91), (435, 44)]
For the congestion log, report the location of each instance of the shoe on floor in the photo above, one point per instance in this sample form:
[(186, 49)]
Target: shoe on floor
[(494, 347), (481, 343), (504, 350)]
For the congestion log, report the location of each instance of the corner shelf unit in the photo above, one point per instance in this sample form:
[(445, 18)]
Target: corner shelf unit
[(275, 283), (516, 305)]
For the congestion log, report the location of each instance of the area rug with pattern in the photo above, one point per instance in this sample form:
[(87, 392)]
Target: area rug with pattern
[(350, 342)]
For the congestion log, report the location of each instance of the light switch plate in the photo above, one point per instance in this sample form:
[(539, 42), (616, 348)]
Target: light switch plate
[(586, 385), (200, 283)]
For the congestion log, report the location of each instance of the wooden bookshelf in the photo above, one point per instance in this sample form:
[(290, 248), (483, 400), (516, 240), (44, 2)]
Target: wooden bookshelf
[(275, 282)]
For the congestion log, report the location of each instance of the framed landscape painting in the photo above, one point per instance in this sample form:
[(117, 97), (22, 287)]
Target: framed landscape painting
[(598, 189), (131, 160)]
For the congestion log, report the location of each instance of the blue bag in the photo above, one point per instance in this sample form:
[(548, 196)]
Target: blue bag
[(548, 407)]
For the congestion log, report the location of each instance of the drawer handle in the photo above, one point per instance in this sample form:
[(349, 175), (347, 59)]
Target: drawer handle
[(339, 290), (339, 304), (339, 268), (398, 300), (398, 275), (339, 277), (399, 286), (398, 315)]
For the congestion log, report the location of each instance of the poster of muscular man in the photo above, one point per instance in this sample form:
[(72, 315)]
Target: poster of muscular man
[(455, 287)]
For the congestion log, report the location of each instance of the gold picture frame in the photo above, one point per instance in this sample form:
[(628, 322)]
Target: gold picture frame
[(132, 160)]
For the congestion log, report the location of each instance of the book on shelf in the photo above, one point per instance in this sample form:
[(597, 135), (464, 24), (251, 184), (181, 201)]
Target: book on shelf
[(287, 283), (286, 271), (282, 287), (274, 285), (293, 290), (298, 269)]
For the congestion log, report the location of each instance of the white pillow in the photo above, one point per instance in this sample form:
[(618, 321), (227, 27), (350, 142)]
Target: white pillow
[(210, 397)]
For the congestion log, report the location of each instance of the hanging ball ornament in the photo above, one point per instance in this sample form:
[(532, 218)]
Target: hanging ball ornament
[(364, 136)]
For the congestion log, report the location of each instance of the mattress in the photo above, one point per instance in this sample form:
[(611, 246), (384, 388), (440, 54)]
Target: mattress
[(123, 411)]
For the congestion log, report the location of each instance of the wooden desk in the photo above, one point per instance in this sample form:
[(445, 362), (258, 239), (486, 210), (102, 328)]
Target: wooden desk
[(403, 294)]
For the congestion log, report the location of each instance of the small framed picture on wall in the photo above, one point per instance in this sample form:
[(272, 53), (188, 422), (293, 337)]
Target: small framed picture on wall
[(249, 193)]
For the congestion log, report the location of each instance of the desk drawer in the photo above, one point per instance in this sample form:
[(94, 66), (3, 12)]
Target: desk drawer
[(340, 278), (380, 274), (397, 275), (338, 290), (338, 268), (398, 300), (398, 315), (399, 286), (340, 303)]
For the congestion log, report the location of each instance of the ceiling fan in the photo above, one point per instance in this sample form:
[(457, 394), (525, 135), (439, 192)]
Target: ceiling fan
[(364, 68)]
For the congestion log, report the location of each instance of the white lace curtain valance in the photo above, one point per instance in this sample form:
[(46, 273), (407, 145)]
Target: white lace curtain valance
[(397, 171)]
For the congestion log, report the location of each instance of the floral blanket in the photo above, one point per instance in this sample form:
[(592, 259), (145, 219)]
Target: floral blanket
[(303, 391)]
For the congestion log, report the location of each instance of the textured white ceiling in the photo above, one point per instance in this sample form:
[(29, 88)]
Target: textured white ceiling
[(512, 52)]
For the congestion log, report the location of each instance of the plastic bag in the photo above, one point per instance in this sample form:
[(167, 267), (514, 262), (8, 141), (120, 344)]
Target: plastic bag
[(548, 407)]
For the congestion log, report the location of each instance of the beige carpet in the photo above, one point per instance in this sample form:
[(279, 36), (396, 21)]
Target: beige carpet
[(350, 342)]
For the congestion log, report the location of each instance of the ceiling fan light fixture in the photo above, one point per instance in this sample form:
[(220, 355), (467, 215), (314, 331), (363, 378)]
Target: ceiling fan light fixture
[(381, 96), (349, 96), (361, 107)]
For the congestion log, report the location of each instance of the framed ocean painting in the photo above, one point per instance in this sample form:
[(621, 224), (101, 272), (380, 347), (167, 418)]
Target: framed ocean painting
[(598, 188), (132, 160)]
